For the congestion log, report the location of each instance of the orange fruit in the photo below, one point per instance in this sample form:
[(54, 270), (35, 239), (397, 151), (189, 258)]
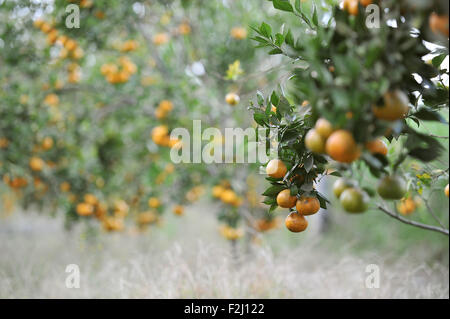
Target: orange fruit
[(238, 33), (307, 205), (285, 200), (392, 187), (323, 127), (90, 199), (377, 146), (232, 98), (147, 218), (178, 210), (154, 202), (446, 190), (314, 142), (276, 168), (341, 146), (439, 23), (112, 224), (47, 143), (354, 200), (184, 28), (365, 3), (217, 191), (395, 106), (406, 206), (295, 222), (36, 164), (340, 186), (351, 6), (229, 197), (84, 209), (160, 39), (64, 187)]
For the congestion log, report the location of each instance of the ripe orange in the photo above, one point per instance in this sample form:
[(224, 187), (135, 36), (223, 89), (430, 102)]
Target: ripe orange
[(36, 164), (391, 187), (112, 224), (323, 127), (90, 199), (365, 3), (354, 200), (154, 202), (341, 146), (217, 191), (238, 33), (315, 142), (446, 190), (47, 143), (184, 28), (439, 23), (84, 209), (147, 218), (232, 98), (406, 206), (276, 168), (395, 106), (64, 187), (295, 222), (228, 197), (351, 6), (307, 206), (178, 210), (160, 39), (377, 146), (285, 200)]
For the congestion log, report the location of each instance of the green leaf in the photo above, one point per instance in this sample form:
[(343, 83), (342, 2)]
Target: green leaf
[(265, 30), (426, 114), (273, 190), (260, 118), (315, 18), (274, 99), (309, 163), (283, 5), (279, 39), (275, 51)]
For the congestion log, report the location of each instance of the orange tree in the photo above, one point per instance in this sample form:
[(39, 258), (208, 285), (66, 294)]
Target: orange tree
[(87, 112), (355, 103)]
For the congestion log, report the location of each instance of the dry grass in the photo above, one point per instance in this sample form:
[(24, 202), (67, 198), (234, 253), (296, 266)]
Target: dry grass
[(193, 262)]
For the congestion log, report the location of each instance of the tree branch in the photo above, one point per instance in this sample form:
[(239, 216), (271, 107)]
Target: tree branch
[(413, 223)]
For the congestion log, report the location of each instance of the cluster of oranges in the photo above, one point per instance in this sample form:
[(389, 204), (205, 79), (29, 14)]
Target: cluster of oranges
[(163, 109), (305, 205), (160, 135), (226, 194), (69, 48), (340, 144), (92, 206), (129, 45), (120, 72), (231, 233), (195, 193), (16, 182)]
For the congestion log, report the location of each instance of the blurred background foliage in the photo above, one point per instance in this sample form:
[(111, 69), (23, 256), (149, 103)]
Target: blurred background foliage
[(85, 115)]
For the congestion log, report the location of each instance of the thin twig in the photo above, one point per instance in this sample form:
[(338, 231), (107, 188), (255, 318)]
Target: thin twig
[(413, 223)]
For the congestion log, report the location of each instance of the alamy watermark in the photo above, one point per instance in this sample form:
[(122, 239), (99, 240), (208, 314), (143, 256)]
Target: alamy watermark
[(233, 145)]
